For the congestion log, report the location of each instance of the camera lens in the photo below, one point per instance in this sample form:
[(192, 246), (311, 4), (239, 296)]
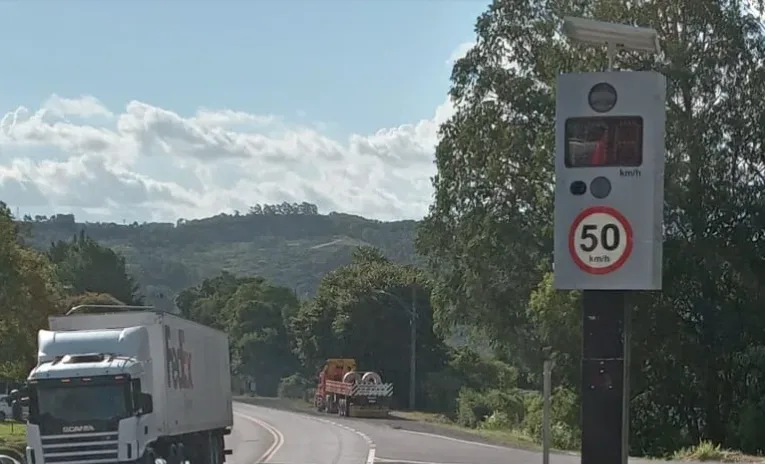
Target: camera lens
[(578, 187), (600, 187)]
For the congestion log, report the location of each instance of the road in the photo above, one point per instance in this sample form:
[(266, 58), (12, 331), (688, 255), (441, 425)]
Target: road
[(263, 434), (277, 436), (281, 437)]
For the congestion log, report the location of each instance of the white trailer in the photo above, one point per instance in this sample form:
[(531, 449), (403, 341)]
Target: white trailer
[(129, 386)]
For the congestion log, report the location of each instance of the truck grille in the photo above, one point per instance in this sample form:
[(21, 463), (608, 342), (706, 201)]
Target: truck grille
[(81, 448)]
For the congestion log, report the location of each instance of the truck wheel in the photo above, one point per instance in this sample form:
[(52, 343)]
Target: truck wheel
[(148, 457), (181, 454), (172, 454), (215, 454)]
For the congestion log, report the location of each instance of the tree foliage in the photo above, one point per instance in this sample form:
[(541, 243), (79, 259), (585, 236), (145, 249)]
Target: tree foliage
[(363, 311), (84, 266), (488, 236), (255, 315), (28, 295)]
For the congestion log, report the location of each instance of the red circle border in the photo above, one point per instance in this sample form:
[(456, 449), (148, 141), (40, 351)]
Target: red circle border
[(627, 250)]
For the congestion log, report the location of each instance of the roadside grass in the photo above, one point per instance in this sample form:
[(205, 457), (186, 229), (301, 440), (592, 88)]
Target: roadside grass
[(13, 437), (708, 451)]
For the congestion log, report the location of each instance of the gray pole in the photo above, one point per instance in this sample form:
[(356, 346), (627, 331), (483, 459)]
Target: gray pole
[(626, 384), (547, 392), (413, 348)]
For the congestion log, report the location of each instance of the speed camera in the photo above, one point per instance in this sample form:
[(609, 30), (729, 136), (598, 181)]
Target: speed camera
[(609, 186)]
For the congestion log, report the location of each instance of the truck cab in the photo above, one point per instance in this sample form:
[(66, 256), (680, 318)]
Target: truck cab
[(90, 397)]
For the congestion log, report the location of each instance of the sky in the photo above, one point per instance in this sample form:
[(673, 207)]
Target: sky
[(154, 111)]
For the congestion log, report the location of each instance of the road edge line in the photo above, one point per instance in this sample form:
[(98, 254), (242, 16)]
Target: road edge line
[(372, 446), (371, 454), (273, 431)]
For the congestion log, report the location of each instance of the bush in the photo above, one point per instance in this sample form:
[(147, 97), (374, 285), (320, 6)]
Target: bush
[(564, 436), (503, 408), (295, 386), (564, 418), (441, 392), (472, 408), (497, 421), (477, 372)]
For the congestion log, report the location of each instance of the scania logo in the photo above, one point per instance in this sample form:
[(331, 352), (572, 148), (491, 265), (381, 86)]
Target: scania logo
[(78, 428)]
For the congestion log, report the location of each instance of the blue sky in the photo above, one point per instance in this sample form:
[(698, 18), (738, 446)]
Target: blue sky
[(344, 67), (361, 64)]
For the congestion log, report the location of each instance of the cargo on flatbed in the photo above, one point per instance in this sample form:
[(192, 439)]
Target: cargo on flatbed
[(343, 390)]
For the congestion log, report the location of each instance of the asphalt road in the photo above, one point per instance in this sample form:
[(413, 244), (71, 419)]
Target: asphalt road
[(281, 437), (249, 440), (278, 436)]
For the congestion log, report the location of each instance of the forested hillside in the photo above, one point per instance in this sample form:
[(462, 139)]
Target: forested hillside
[(289, 244)]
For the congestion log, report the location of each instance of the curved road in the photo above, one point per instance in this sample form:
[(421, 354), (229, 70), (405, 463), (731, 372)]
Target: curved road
[(269, 435), (280, 437)]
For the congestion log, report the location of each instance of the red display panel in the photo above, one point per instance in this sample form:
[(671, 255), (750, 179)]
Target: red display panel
[(615, 141)]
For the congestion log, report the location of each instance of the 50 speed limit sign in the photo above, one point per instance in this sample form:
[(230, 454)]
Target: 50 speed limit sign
[(600, 240)]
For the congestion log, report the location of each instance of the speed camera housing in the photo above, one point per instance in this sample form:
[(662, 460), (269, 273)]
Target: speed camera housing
[(599, 33), (609, 185)]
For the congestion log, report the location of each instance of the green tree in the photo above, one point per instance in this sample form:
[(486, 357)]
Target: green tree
[(363, 311), (28, 295), (85, 266), (254, 315), (488, 235)]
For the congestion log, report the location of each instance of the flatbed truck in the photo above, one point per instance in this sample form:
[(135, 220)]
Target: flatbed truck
[(344, 391)]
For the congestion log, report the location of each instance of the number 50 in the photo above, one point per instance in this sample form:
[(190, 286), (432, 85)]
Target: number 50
[(609, 237)]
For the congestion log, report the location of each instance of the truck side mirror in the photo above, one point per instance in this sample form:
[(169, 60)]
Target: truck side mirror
[(147, 404)]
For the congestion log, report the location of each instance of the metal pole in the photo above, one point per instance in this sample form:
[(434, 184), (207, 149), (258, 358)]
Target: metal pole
[(413, 348), (547, 392), (626, 385), (603, 368)]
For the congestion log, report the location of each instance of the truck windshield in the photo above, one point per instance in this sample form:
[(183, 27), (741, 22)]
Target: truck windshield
[(82, 403)]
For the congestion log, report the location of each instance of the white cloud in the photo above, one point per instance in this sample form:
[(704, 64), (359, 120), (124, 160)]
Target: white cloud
[(459, 52), (85, 106), (147, 162), (158, 164)]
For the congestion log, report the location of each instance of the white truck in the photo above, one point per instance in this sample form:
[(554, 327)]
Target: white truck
[(129, 385)]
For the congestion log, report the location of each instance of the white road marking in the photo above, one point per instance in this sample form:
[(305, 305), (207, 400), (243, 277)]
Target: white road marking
[(370, 454), (405, 461), (275, 433), (372, 447)]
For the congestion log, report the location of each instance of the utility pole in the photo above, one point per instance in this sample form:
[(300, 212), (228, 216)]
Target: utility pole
[(413, 348), (547, 405)]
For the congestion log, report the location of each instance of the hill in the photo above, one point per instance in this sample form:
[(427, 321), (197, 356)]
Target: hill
[(289, 244)]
